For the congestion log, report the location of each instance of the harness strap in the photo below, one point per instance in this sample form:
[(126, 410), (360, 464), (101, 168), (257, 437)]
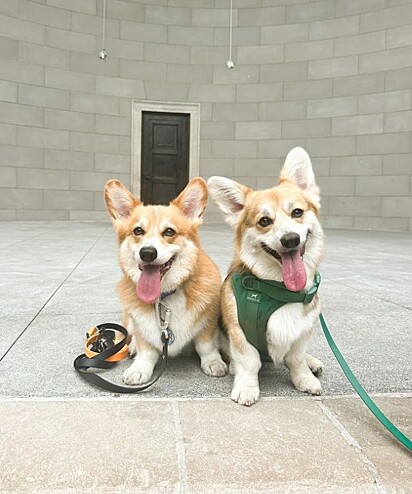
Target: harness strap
[(253, 319), (278, 291), (257, 300)]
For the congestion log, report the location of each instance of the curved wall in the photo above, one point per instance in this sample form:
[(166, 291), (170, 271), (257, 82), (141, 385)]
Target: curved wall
[(332, 76)]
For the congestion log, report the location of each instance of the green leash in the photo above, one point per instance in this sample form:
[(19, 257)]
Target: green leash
[(361, 392)]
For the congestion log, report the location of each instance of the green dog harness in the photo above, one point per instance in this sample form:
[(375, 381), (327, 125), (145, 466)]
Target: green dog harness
[(257, 300)]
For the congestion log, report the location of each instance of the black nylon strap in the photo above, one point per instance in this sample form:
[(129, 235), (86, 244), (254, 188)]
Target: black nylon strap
[(82, 363)]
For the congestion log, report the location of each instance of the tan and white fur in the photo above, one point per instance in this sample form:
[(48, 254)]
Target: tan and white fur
[(160, 252), (278, 237)]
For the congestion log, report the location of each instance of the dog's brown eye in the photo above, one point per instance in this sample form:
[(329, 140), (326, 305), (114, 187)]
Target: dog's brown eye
[(169, 232), (138, 231), (297, 213), (265, 221)]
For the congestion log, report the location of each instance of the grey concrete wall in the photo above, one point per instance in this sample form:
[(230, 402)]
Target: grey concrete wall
[(334, 76)]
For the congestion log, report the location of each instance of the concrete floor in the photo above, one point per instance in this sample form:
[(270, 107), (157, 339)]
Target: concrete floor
[(59, 434)]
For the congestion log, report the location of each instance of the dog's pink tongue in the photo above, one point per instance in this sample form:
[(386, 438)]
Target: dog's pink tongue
[(148, 287), (293, 271)]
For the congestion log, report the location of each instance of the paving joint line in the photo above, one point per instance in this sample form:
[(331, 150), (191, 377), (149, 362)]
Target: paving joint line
[(53, 294), (180, 450), (164, 399), (353, 443)]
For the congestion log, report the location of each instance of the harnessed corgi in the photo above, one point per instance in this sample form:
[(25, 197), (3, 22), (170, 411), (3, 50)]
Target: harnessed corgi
[(278, 239), (162, 260)]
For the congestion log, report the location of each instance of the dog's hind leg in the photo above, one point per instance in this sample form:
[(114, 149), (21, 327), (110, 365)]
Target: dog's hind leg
[(300, 372), (206, 345)]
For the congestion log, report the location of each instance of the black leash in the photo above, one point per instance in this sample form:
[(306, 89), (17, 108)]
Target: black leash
[(106, 347)]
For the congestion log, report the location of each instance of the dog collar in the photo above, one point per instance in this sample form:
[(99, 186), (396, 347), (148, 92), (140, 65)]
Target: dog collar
[(257, 300), (163, 295)]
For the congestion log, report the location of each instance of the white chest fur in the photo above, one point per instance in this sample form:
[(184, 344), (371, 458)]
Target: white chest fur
[(286, 326), (181, 323)]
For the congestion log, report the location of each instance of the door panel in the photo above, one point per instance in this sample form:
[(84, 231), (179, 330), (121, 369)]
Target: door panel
[(165, 156), (165, 166)]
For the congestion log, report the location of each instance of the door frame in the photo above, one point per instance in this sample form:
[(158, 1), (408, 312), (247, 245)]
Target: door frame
[(140, 106)]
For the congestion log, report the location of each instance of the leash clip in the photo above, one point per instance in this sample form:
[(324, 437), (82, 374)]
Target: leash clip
[(163, 316)]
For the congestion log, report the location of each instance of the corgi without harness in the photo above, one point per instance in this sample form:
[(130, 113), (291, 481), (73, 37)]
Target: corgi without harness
[(161, 259), (278, 237)]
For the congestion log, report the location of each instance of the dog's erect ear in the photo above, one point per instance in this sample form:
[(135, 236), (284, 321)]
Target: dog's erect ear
[(230, 196), (298, 169), (119, 201), (192, 200)]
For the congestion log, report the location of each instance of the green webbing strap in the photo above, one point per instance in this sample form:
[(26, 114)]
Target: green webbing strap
[(277, 290), (252, 320), (361, 392), (253, 311)]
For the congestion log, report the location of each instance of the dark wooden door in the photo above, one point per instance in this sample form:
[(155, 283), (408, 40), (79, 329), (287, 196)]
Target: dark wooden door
[(165, 156)]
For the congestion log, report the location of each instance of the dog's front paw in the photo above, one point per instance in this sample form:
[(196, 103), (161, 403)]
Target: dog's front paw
[(133, 376), (215, 368), (245, 396), (308, 384), (314, 364)]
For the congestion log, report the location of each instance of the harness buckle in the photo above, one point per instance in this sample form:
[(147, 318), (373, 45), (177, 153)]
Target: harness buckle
[(248, 282)]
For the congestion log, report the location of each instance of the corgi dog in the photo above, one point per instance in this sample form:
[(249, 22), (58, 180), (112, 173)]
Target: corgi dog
[(161, 259), (278, 237)]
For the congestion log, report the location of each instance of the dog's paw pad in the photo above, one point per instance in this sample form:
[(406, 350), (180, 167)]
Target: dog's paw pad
[(216, 368), (245, 396), (133, 377)]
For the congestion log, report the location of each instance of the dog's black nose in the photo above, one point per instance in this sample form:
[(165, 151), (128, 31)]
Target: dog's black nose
[(290, 240), (148, 254)]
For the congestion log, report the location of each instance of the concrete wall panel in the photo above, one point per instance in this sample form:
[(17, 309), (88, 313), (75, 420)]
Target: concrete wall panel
[(331, 75)]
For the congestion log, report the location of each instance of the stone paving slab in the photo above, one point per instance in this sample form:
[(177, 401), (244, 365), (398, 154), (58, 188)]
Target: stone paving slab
[(285, 445), (88, 447), (392, 462), (277, 446), (36, 260)]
